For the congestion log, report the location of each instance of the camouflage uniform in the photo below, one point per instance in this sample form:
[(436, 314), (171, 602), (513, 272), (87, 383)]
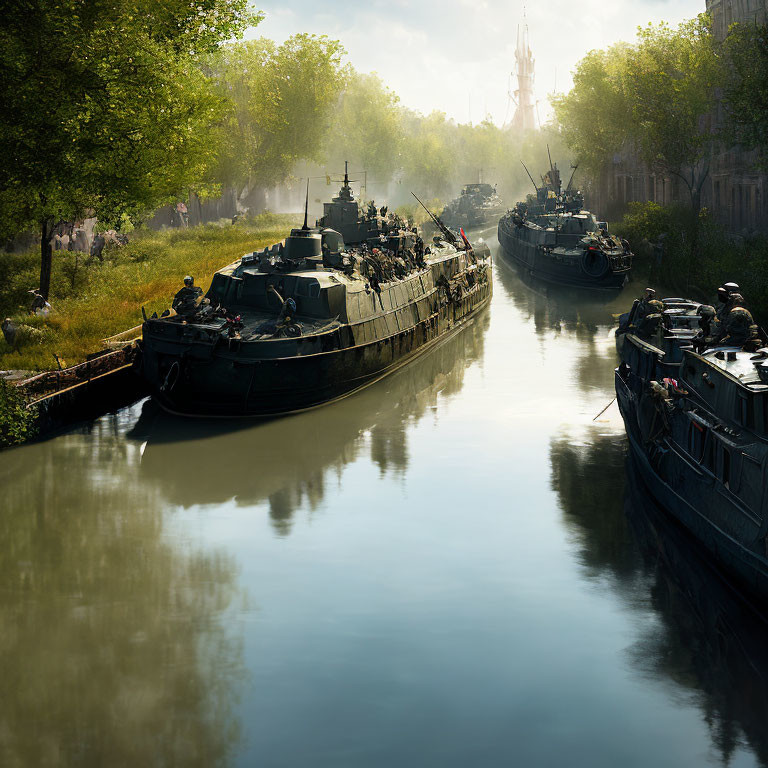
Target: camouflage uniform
[(647, 317), (738, 326)]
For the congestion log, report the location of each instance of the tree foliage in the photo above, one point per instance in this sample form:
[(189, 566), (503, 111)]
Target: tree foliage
[(17, 422), (671, 78), (104, 107), (367, 127), (594, 116), (656, 96), (280, 101), (746, 91)]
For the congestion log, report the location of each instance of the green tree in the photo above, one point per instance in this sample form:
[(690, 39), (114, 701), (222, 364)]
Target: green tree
[(670, 81), (17, 422), (367, 127), (656, 97), (746, 91), (594, 116), (429, 166), (280, 106), (104, 107)]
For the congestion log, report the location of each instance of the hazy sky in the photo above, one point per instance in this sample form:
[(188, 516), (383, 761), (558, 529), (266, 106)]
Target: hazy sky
[(456, 55)]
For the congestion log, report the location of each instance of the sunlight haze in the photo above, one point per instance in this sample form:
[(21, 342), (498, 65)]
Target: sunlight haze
[(456, 56)]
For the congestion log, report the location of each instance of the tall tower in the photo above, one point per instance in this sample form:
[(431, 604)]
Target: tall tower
[(523, 96)]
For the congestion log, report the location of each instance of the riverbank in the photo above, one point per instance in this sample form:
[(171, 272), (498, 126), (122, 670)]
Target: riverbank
[(692, 254), (94, 299)]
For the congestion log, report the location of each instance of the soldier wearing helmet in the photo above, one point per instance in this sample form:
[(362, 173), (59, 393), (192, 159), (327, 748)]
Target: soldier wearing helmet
[(738, 325), (187, 300), (724, 297), (647, 314)]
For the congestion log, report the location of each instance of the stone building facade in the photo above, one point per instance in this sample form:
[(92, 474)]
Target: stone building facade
[(735, 191)]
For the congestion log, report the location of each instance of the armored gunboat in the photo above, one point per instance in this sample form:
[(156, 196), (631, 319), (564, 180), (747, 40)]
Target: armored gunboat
[(697, 422), (478, 204), (312, 318), (556, 240)]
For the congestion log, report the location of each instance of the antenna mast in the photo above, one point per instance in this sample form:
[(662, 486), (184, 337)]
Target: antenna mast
[(306, 207), (530, 177)]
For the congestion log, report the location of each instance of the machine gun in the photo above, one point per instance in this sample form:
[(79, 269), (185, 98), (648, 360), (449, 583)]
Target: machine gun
[(449, 236)]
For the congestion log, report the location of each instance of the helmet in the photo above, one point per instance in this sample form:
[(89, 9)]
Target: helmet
[(649, 293), (737, 299), (290, 304), (731, 287), (188, 280), (706, 310)]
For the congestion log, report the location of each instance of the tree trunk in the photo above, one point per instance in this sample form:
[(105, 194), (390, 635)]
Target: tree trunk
[(696, 200), (46, 256)]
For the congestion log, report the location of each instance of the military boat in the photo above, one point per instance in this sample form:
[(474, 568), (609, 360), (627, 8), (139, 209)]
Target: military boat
[(697, 421), (556, 240), (313, 318), (478, 204)]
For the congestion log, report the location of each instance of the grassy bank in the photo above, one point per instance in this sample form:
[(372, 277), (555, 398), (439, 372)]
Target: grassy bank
[(92, 300), (693, 255)]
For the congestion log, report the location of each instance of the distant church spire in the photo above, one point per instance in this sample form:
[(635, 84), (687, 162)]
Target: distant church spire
[(523, 98)]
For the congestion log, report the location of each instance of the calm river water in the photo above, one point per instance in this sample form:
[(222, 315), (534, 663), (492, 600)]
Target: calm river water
[(453, 567)]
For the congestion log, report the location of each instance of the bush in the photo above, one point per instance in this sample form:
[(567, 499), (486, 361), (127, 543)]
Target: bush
[(692, 254), (17, 422)]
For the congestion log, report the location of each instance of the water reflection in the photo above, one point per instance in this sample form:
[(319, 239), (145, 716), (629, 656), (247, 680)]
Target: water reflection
[(112, 651), (696, 631), (584, 318), (289, 461), (711, 640), (588, 477)]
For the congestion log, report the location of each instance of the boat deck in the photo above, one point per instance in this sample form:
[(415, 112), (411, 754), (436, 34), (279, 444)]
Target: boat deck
[(739, 364)]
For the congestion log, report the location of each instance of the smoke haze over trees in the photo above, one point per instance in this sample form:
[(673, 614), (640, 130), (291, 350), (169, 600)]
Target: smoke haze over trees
[(119, 106), (116, 107)]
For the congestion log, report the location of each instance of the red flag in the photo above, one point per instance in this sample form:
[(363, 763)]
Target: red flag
[(464, 238)]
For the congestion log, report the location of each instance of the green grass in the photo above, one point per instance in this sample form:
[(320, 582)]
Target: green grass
[(93, 300)]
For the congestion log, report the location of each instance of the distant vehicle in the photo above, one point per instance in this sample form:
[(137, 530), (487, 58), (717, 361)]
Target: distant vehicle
[(556, 240), (478, 204)]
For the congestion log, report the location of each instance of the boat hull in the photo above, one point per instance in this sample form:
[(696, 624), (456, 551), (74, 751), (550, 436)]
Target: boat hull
[(543, 266), (691, 498), (231, 380)]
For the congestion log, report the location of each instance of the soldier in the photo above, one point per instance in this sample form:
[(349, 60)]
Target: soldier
[(287, 312), (738, 327), (645, 316), (649, 305), (187, 300), (373, 281), (97, 246), (724, 296)]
